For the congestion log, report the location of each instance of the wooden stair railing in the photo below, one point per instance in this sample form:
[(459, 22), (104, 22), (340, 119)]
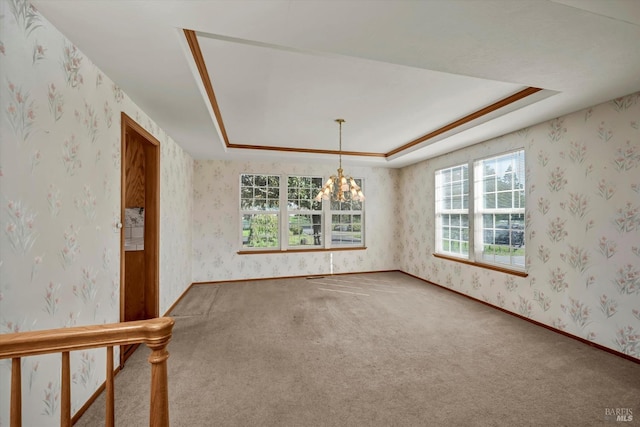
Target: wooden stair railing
[(155, 333)]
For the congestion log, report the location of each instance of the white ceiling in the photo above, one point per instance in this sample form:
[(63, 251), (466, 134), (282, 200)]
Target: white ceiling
[(283, 70)]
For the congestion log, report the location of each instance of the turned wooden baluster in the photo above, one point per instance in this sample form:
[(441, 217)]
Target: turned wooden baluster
[(155, 333), (159, 407)]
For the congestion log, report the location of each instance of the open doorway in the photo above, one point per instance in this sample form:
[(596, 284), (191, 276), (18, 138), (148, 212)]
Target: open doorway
[(139, 238)]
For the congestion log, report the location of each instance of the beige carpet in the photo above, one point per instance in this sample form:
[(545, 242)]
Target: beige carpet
[(380, 349)]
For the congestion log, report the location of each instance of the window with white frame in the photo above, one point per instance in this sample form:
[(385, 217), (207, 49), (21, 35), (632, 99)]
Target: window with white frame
[(260, 211), (486, 224), (500, 209), (347, 228), (304, 213), (452, 210), (280, 213)]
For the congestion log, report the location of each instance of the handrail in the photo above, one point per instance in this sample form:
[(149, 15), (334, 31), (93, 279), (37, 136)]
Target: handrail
[(155, 333), (32, 343)]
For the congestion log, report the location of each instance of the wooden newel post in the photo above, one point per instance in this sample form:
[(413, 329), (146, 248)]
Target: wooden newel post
[(159, 408)]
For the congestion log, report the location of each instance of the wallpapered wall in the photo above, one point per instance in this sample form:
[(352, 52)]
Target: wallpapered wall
[(216, 224), (60, 202), (582, 226)]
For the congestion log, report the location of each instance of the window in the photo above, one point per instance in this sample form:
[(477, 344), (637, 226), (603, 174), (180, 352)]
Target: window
[(491, 222), (499, 209), (260, 210), (452, 210), (346, 222), (305, 214), (281, 213)]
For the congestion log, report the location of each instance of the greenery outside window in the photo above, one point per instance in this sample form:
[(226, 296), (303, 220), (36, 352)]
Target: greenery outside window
[(304, 213), (488, 217), (260, 211), (281, 213)]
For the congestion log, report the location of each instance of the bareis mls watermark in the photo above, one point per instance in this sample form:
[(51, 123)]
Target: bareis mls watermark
[(618, 414)]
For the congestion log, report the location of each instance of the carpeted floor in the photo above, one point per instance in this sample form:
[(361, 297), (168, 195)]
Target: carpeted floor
[(381, 349)]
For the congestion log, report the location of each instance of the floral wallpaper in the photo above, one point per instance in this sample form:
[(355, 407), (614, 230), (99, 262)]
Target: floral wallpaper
[(216, 224), (60, 203), (582, 226)]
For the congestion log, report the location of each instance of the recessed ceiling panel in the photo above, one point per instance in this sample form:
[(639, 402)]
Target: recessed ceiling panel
[(279, 97)]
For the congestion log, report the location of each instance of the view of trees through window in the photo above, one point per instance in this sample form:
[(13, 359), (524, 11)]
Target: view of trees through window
[(260, 207), (268, 200), (305, 213)]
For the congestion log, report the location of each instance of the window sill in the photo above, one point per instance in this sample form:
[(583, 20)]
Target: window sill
[(483, 265), (279, 251)]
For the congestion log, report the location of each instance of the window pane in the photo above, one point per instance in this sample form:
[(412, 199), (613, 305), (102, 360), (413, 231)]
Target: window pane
[(505, 200), (446, 203), (456, 174), (489, 185), (505, 235), (260, 231), (304, 230), (490, 201), (273, 205), (519, 201), (346, 229), (456, 189), (455, 234)]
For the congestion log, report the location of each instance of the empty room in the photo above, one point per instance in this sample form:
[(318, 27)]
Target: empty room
[(320, 213)]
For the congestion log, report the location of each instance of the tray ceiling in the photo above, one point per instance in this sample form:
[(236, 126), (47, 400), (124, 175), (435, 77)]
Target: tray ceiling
[(246, 79)]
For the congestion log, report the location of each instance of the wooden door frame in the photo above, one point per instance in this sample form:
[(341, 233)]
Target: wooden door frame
[(152, 217)]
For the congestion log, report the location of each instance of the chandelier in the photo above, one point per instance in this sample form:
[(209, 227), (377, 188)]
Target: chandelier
[(337, 186)]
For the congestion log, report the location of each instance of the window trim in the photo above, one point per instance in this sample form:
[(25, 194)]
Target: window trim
[(474, 256)]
